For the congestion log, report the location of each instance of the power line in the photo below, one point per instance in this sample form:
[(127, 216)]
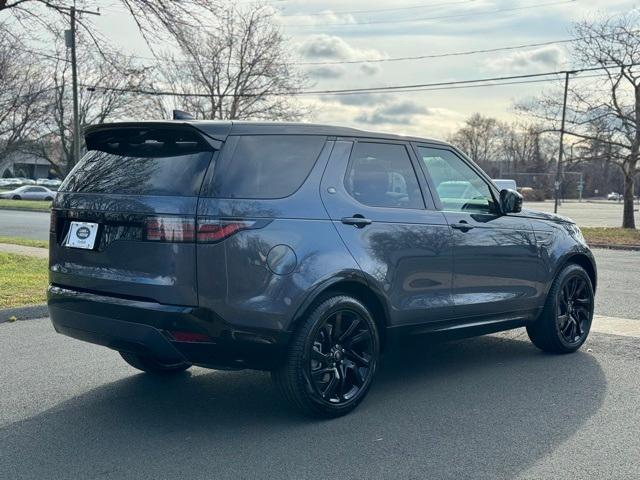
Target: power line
[(423, 19), (381, 89), (377, 10), (441, 55)]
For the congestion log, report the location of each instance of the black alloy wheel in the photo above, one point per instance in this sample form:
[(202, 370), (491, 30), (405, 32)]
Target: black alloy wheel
[(565, 322), (332, 358), (574, 309), (341, 356)]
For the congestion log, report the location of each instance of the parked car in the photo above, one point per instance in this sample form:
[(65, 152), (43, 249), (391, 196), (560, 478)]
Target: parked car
[(11, 182), (302, 250), (614, 196), (29, 192), (52, 184), (503, 184)]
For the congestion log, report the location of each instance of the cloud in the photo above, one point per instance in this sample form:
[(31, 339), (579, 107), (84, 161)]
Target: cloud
[(401, 112), (379, 112), (329, 48), (370, 68), (359, 99), (319, 19), (332, 47), (326, 71), (405, 107), (548, 57)]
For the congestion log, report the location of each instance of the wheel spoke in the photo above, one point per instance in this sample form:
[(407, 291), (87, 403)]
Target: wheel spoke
[(343, 381), (321, 371), (563, 320), (337, 327), (566, 327), (578, 323), (360, 336), (320, 357), (357, 358), (331, 386), (354, 324)]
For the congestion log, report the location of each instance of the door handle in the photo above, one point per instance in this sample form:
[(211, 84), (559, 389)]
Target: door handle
[(462, 226), (357, 221)]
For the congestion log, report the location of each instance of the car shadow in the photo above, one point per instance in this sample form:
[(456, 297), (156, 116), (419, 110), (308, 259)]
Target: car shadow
[(488, 407)]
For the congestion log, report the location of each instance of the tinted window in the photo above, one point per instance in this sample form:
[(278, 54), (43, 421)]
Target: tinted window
[(141, 162), (381, 175), (458, 186), (266, 166)]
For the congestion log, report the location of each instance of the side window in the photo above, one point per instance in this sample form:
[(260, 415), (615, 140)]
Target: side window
[(457, 185), (381, 175), (267, 166)]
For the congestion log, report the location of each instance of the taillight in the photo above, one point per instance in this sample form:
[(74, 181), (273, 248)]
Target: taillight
[(53, 220), (169, 229), (211, 231)]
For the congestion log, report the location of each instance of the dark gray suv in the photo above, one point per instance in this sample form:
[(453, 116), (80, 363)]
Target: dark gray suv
[(300, 249)]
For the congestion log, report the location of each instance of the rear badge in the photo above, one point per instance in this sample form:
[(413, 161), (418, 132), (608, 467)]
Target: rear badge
[(82, 235)]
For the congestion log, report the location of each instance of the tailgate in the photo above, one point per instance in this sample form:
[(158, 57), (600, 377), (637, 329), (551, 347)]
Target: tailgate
[(138, 188)]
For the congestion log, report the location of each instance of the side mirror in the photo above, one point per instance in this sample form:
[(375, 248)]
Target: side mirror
[(511, 201)]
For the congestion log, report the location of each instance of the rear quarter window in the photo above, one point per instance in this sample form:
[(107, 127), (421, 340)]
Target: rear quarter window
[(266, 166)]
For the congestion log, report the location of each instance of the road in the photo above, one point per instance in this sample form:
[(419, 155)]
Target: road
[(618, 280), (586, 214), (36, 224), (487, 408), (15, 223)]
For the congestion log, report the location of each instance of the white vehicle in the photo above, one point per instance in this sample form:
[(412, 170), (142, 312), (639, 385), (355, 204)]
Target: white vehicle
[(505, 184), (614, 196), (29, 192)]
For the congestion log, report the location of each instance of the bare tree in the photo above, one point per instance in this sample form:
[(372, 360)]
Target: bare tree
[(154, 18), (112, 70), (605, 110), (480, 138), (242, 69), (24, 90)]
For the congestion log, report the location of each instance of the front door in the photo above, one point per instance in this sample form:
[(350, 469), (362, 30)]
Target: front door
[(403, 245), (496, 260)]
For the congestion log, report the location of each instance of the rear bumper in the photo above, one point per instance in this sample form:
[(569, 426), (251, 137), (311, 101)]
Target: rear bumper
[(147, 328)]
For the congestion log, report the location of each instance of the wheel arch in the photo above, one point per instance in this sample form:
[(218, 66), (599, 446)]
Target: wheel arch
[(355, 286), (583, 260)]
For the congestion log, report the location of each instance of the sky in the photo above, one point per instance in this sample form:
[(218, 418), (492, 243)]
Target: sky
[(330, 30)]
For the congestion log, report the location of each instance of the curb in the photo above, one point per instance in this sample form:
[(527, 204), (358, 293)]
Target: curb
[(24, 313), (613, 246)]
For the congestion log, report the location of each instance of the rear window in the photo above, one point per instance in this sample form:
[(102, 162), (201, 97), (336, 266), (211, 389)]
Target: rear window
[(266, 166), (141, 161)]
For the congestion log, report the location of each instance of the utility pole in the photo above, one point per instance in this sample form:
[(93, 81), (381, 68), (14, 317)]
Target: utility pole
[(561, 151), (70, 38)]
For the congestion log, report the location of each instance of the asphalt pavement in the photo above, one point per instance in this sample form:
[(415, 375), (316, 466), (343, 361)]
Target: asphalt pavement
[(492, 407), (25, 224)]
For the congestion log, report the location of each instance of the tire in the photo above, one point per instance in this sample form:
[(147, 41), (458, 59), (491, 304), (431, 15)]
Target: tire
[(565, 321), (16, 197), (335, 350), (150, 365), (48, 199)]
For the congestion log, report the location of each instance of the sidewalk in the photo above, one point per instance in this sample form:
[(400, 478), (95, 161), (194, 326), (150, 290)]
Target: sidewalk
[(22, 250)]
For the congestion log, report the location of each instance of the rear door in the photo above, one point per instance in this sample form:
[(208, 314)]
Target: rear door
[(374, 197), (139, 187), (496, 262)]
